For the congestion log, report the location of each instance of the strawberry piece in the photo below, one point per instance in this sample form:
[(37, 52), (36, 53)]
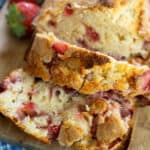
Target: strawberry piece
[(68, 11), (144, 82), (49, 121), (15, 79), (20, 17), (60, 47), (126, 109), (53, 131), (92, 34), (3, 86), (30, 109), (82, 43), (39, 2)]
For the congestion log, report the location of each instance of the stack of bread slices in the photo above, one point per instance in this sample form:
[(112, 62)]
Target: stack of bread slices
[(73, 88)]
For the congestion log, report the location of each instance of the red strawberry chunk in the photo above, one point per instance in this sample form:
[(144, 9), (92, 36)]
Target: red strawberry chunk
[(126, 109), (82, 43), (68, 11), (60, 47), (144, 81), (53, 131), (15, 79), (92, 34), (3, 86), (30, 109)]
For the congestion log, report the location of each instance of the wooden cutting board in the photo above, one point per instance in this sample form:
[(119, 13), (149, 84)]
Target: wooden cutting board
[(140, 139), (12, 53)]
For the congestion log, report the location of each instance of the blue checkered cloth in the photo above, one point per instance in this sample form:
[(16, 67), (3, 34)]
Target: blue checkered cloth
[(6, 146), (2, 2)]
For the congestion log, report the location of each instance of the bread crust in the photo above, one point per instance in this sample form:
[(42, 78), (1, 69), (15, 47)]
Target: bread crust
[(42, 139), (121, 146), (83, 70)]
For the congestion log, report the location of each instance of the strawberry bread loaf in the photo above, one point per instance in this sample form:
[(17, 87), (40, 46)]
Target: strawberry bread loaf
[(120, 28)]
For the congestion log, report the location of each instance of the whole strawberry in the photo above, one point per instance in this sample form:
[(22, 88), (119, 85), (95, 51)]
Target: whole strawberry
[(20, 17), (38, 2)]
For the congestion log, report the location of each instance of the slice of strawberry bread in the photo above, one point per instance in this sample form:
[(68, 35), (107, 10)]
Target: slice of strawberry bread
[(120, 28), (83, 70), (49, 112)]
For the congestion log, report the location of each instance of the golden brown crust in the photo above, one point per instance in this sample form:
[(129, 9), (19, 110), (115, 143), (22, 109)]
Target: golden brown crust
[(34, 58), (98, 106), (112, 129), (93, 146), (89, 59), (138, 60), (70, 133), (22, 127), (86, 71), (40, 59)]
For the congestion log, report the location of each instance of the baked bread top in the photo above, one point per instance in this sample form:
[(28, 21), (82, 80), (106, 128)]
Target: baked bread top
[(116, 27), (86, 71), (49, 112)]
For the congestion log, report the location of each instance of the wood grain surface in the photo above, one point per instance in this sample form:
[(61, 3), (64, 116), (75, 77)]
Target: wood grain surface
[(140, 139), (12, 53)]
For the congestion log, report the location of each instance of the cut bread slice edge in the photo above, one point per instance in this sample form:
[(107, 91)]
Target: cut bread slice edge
[(7, 112), (45, 111), (113, 27), (83, 70), (24, 128)]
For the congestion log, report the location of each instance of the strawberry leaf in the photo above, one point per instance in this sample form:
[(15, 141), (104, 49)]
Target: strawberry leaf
[(14, 20), (40, 1)]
